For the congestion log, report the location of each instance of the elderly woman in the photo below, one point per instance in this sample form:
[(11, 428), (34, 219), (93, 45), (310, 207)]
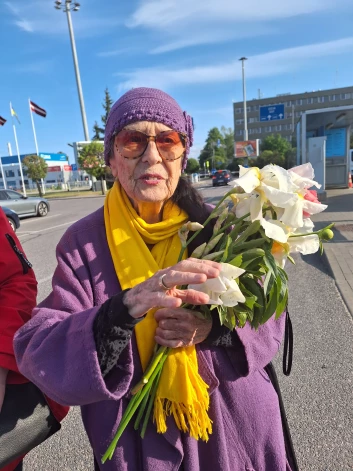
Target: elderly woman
[(88, 342)]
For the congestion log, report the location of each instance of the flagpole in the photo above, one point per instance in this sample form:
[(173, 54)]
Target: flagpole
[(35, 139), (34, 129), (2, 173), (18, 152)]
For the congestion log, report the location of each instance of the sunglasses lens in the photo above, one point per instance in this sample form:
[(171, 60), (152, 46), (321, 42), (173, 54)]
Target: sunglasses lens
[(131, 144), (170, 145)]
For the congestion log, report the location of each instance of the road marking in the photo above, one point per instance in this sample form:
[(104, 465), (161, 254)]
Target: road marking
[(23, 221), (48, 228)]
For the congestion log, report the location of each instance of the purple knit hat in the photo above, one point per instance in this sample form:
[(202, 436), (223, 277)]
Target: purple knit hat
[(147, 104)]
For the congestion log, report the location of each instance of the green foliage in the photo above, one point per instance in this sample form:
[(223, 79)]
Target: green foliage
[(99, 130), (91, 159), (192, 166), (212, 153), (36, 168), (275, 150)]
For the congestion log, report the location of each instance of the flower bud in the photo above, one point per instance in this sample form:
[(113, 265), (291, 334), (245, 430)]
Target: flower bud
[(197, 253), (327, 234), (183, 234), (194, 226)]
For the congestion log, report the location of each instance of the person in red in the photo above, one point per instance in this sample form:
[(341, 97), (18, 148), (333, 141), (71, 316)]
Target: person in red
[(18, 292)]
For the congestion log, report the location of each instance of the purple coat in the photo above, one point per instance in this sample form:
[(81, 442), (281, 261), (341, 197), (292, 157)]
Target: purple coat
[(56, 350)]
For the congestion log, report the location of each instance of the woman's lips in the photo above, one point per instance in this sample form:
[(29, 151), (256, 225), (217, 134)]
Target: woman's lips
[(151, 179)]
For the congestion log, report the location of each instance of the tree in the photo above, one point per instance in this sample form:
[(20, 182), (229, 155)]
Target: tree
[(276, 143), (192, 166), (275, 150), (91, 159), (351, 141), (100, 130), (37, 169), (212, 152)]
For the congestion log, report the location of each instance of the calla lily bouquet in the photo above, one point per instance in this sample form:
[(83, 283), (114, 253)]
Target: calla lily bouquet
[(259, 225)]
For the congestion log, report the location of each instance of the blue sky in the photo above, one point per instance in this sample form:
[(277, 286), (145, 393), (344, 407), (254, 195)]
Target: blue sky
[(189, 48)]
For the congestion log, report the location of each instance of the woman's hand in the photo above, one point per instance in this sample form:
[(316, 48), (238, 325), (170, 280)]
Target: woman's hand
[(181, 327), (151, 294)]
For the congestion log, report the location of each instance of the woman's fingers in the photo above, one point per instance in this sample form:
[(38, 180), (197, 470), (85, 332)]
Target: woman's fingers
[(180, 328)]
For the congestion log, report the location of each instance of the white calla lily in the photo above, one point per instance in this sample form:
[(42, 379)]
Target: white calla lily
[(223, 290)]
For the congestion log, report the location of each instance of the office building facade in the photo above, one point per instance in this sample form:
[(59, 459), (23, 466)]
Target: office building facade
[(293, 104)]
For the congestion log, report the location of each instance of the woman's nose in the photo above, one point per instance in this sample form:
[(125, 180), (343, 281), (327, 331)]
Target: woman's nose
[(151, 154)]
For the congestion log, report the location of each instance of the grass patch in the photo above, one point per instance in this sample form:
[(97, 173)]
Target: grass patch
[(68, 194)]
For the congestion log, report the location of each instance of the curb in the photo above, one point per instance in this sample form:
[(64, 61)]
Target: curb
[(75, 198), (343, 286)]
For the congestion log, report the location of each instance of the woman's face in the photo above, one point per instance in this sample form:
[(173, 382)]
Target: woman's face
[(149, 178)]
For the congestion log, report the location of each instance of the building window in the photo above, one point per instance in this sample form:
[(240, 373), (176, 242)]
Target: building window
[(239, 121), (299, 102), (252, 120), (347, 96), (332, 97), (238, 110), (9, 173)]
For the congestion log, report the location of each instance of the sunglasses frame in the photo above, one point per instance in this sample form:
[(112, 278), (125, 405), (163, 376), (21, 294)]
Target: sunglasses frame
[(183, 138)]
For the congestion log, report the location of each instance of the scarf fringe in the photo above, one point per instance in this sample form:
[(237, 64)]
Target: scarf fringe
[(188, 418)]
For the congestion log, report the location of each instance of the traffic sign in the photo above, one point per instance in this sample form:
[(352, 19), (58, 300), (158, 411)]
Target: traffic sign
[(74, 167), (271, 113)]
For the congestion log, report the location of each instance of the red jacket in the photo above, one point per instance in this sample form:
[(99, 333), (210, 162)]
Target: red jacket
[(18, 292)]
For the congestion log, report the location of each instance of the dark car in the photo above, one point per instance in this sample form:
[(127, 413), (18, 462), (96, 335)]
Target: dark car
[(24, 205), (221, 177), (12, 217)]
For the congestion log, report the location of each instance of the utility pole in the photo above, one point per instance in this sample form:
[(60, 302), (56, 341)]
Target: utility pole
[(246, 137)]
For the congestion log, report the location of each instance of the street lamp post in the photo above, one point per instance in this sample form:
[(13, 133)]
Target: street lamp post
[(67, 6), (243, 59)]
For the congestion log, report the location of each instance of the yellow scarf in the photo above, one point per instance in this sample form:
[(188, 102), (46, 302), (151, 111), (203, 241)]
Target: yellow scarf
[(181, 391)]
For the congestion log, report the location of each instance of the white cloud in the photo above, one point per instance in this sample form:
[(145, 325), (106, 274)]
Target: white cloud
[(115, 52), (186, 23), (273, 63), (24, 25), (41, 17)]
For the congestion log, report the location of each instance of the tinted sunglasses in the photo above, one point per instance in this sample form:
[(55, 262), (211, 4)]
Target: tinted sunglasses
[(133, 144)]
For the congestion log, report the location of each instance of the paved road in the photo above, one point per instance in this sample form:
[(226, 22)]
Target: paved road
[(318, 394)]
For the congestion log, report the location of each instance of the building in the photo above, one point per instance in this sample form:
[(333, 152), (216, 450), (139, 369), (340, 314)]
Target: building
[(261, 124), (60, 172)]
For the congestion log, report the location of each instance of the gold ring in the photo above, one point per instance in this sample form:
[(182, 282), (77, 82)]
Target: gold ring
[(162, 284)]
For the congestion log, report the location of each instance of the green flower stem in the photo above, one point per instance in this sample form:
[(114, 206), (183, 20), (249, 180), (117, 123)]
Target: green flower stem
[(131, 410), (141, 411), (318, 233), (205, 223), (150, 370), (151, 400)]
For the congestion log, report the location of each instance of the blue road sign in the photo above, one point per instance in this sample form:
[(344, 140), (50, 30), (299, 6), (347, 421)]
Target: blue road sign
[(74, 167), (271, 113)]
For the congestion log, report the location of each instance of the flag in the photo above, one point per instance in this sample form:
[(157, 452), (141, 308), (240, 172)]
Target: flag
[(37, 109), (2, 121), (13, 113)]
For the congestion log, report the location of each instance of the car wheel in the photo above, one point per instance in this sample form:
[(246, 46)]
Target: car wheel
[(42, 209), (12, 224)]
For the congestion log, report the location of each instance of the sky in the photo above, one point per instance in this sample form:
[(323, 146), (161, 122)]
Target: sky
[(188, 48)]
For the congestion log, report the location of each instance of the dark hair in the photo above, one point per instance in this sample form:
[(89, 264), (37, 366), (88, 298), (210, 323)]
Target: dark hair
[(191, 201)]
